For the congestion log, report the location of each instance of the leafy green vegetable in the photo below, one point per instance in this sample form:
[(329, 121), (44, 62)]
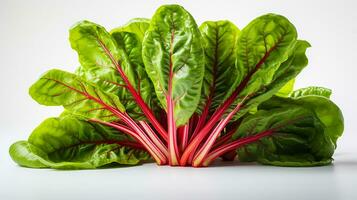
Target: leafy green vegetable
[(319, 91), (70, 143), (164, 89), (220, 40), (138, 26), (306, 131), (58, 87), (173, 57)]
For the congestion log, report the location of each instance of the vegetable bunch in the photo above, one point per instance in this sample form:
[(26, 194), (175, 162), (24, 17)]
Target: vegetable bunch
[(167, 90)]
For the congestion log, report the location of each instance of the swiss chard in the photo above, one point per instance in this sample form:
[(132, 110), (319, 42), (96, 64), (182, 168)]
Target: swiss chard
[(167, 90)]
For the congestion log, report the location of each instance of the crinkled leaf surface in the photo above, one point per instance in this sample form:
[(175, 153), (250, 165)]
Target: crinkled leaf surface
[(219, 41), (173, 53), (56, 88), (138, 26), (287, 71), (131, 45), (304, 136), (70, 143), (262, 46), (319, 91), (99, 54)]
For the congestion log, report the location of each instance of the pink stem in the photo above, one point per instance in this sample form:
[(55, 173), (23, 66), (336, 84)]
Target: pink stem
[(138, 135), (172, 143), (154, 137), (234, 145), (224, 139), (221, 110), (202, 118), (183, 133), (139, 100), (201, 154)]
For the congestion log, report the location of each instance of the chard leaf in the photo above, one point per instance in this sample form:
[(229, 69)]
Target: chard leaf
[(305, 135), (173, 56), (287, 89), (286, 71), (57, 87), (131, 45), (100, 53), (327, 111), (319, 91), (219, 41), (138, 26), (262, 46), (96, 50), (70, 143)]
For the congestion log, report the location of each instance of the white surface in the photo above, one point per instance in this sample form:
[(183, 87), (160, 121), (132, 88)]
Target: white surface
[(149, 181), (33, 38)]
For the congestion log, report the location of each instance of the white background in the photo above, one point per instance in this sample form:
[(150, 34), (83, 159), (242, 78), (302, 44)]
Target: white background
[(34, 38)]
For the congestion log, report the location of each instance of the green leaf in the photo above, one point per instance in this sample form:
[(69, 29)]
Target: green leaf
[(57, 87), (131, 45), (219, 41), (96, 50), (27, 155), (69, 143), (100, 53), (319, 91), (303, 135), (327, 111), (138, 26), (286, 71), (287, 89), (173, 53), (262, 46)]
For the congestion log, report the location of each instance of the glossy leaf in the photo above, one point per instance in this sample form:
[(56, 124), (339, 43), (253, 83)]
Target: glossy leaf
[(131, 45), (100, 53), (319, 91), (262, 46), (327, 111), (303, 136), (96, 50), (219, 41), (287, 89), (287, 71), (69, 143), (57, 87), (138, 26), (173, 55)]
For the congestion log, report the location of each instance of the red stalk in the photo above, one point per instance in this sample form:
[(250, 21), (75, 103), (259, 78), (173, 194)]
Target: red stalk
[(117, 126), (172, 143), (134, 145), (192, 147), (139, 100), (234, 145), (201, 154), (202, 118), (183, 134), (152, 147), (224, 139), (139, 136), (154, 137), (171, 123)]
